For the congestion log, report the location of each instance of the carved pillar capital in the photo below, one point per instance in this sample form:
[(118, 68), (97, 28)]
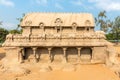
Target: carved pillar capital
[(79, 48), (34, 48), (64, 49), (49, 49)]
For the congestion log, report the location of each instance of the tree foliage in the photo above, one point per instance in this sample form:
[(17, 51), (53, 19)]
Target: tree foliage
[(102, 21), (115, 29), (3, 33), (20, 20), (15, 31), (112, 28)]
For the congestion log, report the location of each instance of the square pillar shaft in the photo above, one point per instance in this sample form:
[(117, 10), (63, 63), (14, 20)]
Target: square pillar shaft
[(49, 52)]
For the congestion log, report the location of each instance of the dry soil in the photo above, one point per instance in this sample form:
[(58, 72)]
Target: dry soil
[(83, 72)]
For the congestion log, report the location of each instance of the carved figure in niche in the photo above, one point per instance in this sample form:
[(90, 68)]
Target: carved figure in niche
[(74, 26), (41, 25), (58, 23), (87, 23)]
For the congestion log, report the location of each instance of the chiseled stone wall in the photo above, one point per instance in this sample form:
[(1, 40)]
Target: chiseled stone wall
[(11, 57), (100, 54), (71, 54)]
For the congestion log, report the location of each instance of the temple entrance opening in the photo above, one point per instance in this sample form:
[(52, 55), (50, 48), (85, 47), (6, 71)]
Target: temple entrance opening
[(57, 54), (28, 54), (72, 54), (86, 54), (42, 54)]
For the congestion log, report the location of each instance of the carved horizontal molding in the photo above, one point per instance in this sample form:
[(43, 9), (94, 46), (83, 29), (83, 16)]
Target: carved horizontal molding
[(44, 37), (59, 43)]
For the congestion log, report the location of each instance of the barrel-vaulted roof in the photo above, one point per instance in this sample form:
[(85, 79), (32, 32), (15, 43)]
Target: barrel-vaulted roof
[(62, 19)]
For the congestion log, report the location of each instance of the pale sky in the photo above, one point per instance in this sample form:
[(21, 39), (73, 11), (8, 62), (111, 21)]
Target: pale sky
[(12, 9)]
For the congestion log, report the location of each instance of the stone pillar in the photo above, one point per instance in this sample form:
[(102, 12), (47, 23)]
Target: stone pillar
[(79, 54), (49, 52), (23, 53), (93, 60), (20, 55), (34, 53), (92, 53), (64, 55)]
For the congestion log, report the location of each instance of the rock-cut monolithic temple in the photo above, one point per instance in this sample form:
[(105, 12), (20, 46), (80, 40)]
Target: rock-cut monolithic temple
[(57, 37)]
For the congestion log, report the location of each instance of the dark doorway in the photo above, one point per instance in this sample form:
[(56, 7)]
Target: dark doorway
[(27, 53), (42, 54), (72, 54), (86, 54), (57, 54)]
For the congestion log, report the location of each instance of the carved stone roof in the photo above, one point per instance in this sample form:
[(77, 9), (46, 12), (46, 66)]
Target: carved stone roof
[(63, 19)]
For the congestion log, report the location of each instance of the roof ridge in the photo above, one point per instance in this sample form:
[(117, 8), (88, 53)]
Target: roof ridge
[(49, 17), (60, 12)]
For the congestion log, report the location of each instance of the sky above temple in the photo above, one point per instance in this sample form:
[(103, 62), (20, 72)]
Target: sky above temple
[(12, 9)]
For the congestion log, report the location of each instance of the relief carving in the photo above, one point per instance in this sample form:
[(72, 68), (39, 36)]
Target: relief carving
[(87, 23), (58, 22), (41, 25), (28, 23)]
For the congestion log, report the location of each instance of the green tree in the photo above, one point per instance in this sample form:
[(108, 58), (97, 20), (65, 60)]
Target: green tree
[(110, 36), (14, 31), (20, 20), (115, 29), (3, 33), (102, 21)]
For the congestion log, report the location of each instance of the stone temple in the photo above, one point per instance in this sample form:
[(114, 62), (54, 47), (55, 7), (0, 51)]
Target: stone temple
[(57, 37)]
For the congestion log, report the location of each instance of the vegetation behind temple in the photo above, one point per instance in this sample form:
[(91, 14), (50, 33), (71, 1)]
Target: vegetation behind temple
[(111, 28), (4, 32)]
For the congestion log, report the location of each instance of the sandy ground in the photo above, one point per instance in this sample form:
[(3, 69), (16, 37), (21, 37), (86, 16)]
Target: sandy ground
[(117, 48), (83, 72)]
